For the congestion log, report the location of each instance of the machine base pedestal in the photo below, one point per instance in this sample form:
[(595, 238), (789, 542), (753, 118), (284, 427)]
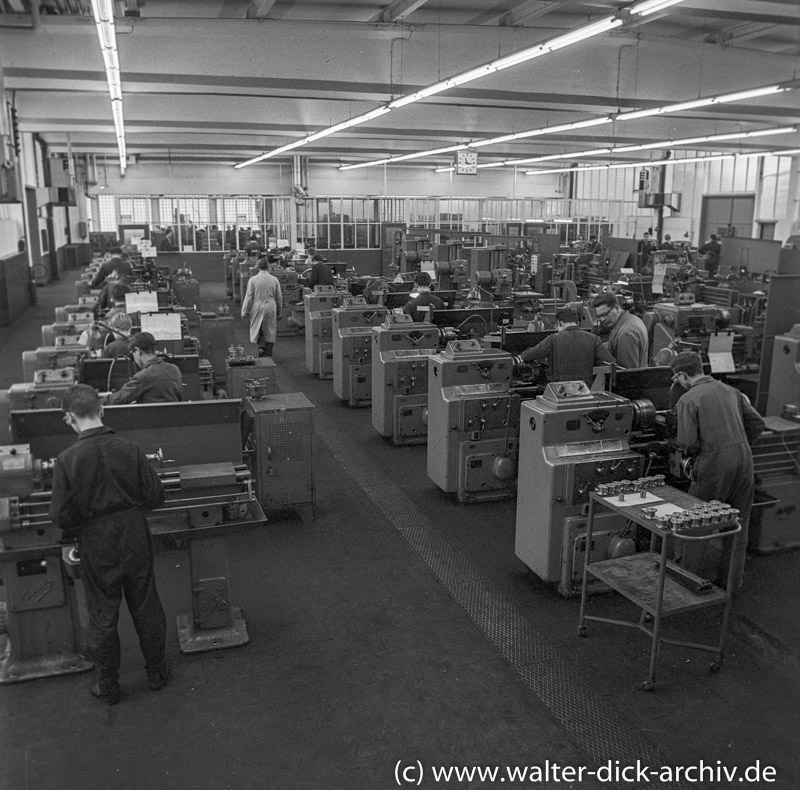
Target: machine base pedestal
[(197, 640), (14, 670)]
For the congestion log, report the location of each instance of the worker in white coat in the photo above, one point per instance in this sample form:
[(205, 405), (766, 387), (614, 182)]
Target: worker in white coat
[(263, 301)]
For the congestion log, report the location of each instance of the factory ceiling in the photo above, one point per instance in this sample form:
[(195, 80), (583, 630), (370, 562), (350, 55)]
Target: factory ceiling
[(222, 81)]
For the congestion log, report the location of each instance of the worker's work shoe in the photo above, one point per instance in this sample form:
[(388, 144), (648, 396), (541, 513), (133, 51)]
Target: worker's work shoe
[(110, 696), (159, 678)]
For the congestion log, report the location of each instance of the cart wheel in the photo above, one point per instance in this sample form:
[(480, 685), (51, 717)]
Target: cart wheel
[(582, 630), (649, 685), (715, 666)]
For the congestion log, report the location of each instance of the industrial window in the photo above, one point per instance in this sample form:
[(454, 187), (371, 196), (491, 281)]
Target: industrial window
[(209, 223), (107, 214), (135, 211)]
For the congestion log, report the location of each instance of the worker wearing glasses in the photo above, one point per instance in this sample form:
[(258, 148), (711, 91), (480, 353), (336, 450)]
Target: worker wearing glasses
[(627, 340)]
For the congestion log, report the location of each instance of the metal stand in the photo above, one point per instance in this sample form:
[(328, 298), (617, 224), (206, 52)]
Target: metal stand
[(40, 617), (213, 623)]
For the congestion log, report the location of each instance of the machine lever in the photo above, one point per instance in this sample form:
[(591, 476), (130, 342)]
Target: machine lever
[(158, 455)]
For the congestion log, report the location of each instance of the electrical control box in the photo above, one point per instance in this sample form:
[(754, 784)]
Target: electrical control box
[(216, 337), (51, 358), (784, 376), (186, 291), (291, 291), (260, 372), (319, 340), (472, 422), (73, 327), (278, 433), (400, 351), (352, 349), (318, 326), (571, 440)]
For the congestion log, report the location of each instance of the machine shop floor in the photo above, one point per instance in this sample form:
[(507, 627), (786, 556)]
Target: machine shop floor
[(399, 626)]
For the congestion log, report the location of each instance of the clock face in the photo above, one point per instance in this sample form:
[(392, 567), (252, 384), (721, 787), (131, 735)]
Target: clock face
[(467, 162)]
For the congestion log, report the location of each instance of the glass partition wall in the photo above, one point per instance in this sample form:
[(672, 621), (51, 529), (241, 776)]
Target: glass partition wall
[(209, 223)]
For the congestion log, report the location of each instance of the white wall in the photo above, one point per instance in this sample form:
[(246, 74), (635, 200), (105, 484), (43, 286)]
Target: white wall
[(276, 179), (774, 180), (12, 228)]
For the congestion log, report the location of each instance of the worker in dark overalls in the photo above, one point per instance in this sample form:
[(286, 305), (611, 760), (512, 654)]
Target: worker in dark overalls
[(102, 486), (717, 426)]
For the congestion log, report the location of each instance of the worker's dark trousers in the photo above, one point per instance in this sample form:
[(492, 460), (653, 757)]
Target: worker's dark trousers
[(264, 346), (727, 476), (117, 558)]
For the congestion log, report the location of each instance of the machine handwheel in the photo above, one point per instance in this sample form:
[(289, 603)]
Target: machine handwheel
[(582, 631), (649, 685), (715, 666)]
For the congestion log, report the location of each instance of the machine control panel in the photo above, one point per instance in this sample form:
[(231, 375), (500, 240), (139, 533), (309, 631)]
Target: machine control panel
[(81, 317), (396, 319), (455, 347), (57, 376)]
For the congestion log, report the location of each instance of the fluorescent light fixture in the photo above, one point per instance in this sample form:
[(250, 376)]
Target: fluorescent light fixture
[(339, 127), (378, 111), (694, 104), (565, 127), (103, 11), (406, 157), (582, 33), (752, 94), (365, 164), (559, 42), (515, 58), (444, 170), (651, 6), (472, 74), (621, 166)]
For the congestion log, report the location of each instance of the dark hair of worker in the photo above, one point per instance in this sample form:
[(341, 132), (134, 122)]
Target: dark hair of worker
[(145, 342), (423, 279), (119, 290), (606, 298), (567, 315), (688, 362), (82, 401)]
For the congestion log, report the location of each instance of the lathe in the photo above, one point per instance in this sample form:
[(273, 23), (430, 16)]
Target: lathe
[(472, 422), (209, 493), (352, 349), (319, 325), (571, 440), (400, 352)]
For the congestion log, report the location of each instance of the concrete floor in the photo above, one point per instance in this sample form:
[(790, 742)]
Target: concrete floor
[(400, 628)]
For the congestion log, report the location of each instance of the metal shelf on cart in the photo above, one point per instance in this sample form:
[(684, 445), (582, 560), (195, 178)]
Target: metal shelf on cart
[(636, 577)]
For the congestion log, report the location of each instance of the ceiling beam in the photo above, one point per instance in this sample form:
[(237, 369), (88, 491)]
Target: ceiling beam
[(512, 12), (396, 10), (260, 10)]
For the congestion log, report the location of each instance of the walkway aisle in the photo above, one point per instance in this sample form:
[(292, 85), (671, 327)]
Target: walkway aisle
[(399, 626)]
